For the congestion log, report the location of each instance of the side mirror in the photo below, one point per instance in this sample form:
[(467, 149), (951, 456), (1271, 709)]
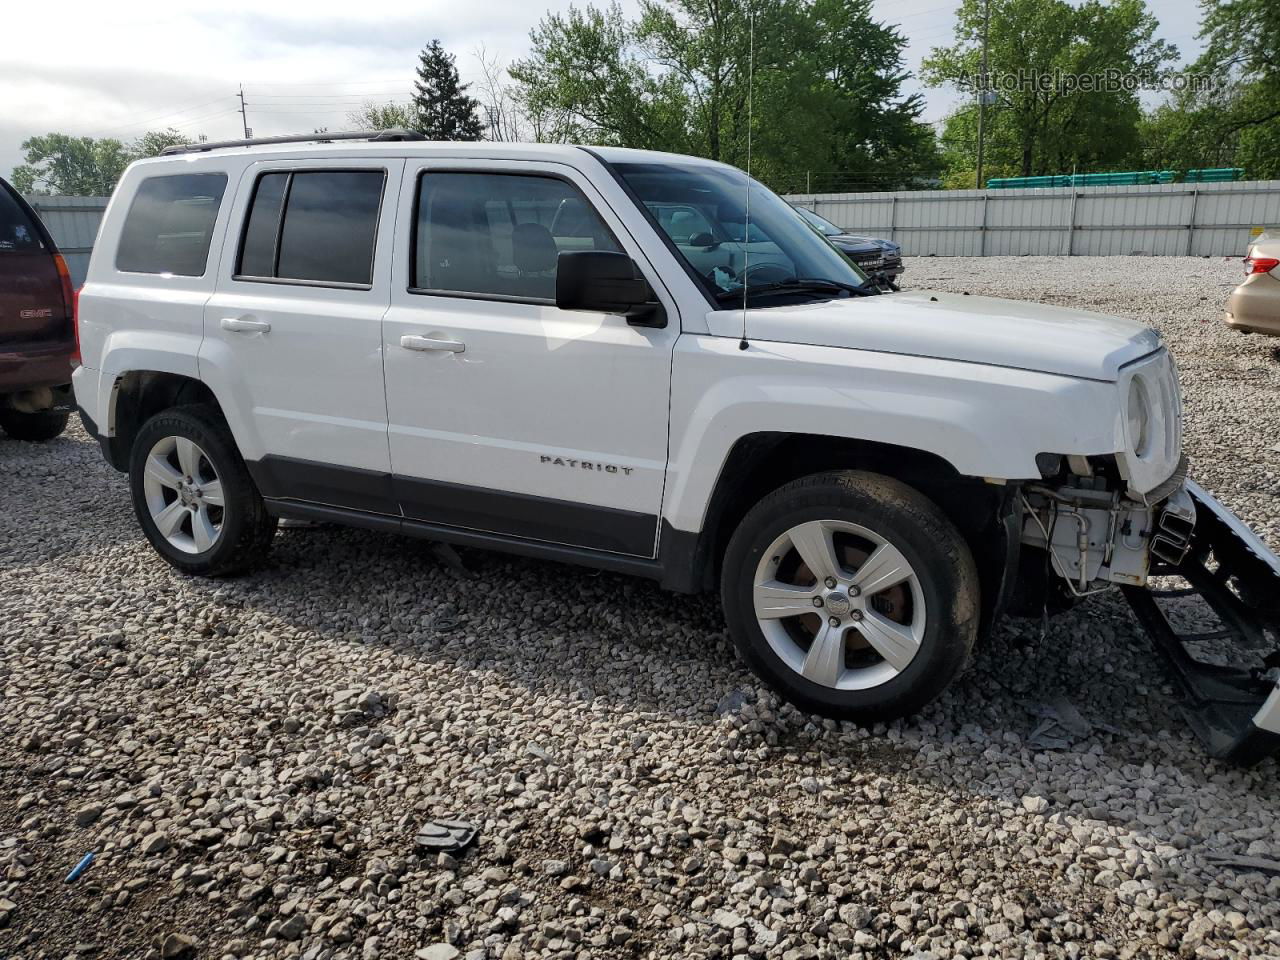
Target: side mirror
[(606, 282)]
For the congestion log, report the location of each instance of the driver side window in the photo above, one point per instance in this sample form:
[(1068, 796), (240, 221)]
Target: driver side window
[(499, 234)]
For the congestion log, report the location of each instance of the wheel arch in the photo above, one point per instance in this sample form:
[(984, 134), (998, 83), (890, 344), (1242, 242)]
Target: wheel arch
[(138, 395), (761, 462)]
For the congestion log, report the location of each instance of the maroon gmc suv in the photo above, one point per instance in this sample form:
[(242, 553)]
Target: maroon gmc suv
[(37, 325)]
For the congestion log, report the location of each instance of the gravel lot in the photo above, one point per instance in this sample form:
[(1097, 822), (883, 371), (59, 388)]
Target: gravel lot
[(250, 760)]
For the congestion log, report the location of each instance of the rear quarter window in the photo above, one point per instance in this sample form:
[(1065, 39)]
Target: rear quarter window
[(17, 233), (313, 226), (169, 227)]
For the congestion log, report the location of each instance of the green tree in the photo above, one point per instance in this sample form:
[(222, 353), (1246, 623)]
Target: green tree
[(383, 116), (442, 109), (1234, 120), (154, 142), (75, 166), (83, 166), (821, 95), (1243, 35), (586, 70), (703, 47), (874, 138), (1039, 123)]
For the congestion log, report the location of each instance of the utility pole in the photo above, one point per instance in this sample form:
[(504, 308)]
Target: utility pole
[(982, 86), (244, 117)]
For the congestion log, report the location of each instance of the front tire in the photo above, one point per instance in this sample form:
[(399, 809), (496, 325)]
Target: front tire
[(35, 427), (852, 595), (193, 494)]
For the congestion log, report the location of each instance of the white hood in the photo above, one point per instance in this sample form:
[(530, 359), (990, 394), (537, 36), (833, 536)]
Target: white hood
[(1002, 333)]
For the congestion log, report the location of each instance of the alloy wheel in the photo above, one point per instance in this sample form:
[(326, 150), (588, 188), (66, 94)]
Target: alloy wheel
[(184, 494), (839, 604)]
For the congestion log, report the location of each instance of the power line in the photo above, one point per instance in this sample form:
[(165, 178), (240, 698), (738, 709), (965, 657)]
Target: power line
[(343, 83), (329, 96), (259, 106), (928, 36), (917, 13), (179, 124), (172, 113), (315, 113)]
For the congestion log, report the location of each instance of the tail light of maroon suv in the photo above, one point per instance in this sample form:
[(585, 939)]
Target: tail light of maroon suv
[(37, 325)]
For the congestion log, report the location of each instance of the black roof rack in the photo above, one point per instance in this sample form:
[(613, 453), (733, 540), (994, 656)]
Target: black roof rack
[(371, 135)]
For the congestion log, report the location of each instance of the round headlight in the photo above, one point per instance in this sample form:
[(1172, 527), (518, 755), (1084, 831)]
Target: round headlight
[(1139, 416)]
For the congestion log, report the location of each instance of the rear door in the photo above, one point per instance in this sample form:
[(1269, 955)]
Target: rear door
[(32, 306), (293, 331)]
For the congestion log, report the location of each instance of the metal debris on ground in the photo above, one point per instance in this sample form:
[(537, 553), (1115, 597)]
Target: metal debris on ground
[(447, 836), (1247, 864), (1061, 725)]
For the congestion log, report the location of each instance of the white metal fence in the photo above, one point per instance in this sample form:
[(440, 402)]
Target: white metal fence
[(73, 222), (1175, 219)]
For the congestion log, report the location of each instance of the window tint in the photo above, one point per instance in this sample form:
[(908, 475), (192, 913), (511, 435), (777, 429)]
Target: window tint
[(500, 234), (258, 252), (17, 232), (170, 224), (330, 221)]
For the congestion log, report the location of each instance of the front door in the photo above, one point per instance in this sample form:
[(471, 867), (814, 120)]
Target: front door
[(293, 332), (506, 414)]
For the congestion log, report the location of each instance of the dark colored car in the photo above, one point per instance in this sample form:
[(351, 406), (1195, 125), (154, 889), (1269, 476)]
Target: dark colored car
[(881, 259), (37, 325)]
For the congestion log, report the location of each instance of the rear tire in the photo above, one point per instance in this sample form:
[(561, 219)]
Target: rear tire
[(193, 494), (852, 595), (36, 427)]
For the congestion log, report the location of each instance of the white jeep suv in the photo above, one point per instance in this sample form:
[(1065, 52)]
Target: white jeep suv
[(650, 364)]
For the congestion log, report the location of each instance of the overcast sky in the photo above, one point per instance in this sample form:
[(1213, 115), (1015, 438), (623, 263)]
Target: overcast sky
[(121, 68)]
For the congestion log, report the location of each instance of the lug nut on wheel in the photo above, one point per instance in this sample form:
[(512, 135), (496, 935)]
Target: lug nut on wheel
[(834, 621), (817, 601), (855, 615), (831, 583)]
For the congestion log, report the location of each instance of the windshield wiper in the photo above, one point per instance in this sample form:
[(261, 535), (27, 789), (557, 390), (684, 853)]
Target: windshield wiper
[(876, 285), (794, 285)]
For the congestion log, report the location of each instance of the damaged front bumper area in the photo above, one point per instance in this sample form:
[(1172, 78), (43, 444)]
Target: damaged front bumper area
[(1204, 586), (1234, 708)]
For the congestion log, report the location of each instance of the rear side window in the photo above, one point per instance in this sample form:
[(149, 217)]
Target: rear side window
[(499, 235), (17, 233), (170, 224), (314, 226), (262, 231)]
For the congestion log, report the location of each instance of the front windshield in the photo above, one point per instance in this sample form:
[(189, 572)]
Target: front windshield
[(821, 224), (703, 209)]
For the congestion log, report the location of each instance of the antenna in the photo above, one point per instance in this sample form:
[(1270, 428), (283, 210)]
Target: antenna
[(746, 227)]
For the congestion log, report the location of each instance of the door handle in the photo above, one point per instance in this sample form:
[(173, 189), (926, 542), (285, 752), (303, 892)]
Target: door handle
[(238, 325), (413, 342)]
